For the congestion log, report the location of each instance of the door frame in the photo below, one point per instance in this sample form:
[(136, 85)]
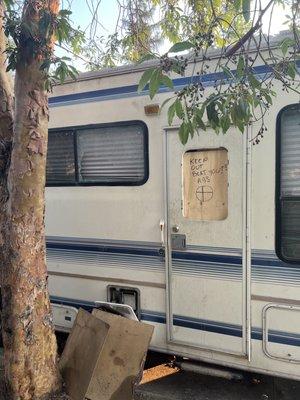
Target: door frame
[(246, 251)]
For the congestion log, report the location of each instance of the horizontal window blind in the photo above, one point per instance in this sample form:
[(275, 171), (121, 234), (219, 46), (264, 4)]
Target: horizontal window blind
[(111, 154), (290, 229), (290, 153), (60, 158), (115, 154), (289, 195)]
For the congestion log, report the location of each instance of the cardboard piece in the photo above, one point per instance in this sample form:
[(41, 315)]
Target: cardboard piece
[(104, 356), (205, 184)]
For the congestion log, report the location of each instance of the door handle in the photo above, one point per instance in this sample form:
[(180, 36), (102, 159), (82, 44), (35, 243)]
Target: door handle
[(175, 228)]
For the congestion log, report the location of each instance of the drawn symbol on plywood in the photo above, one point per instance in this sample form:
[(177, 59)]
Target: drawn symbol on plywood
[(204, 193)]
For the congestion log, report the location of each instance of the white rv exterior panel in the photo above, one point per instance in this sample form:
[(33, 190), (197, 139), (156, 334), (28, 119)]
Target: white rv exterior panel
[(206, 300)]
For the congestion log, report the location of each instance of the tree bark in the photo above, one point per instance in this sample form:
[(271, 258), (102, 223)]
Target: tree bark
[(29, 340), (30, 353)]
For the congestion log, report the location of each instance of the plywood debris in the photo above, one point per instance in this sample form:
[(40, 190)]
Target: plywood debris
[(104, 356), (205, 184)]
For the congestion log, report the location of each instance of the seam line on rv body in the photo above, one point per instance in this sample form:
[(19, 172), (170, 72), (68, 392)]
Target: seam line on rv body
[(131, 90), (222, 328), (211, 263)]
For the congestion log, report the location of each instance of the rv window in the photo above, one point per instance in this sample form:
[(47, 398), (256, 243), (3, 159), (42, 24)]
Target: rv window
[(205, 184), (113, 154), (99, 155), (60, 158), (288, 180)]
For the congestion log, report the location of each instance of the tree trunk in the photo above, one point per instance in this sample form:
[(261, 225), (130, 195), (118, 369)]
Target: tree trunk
[(29, 340), (30, 353)]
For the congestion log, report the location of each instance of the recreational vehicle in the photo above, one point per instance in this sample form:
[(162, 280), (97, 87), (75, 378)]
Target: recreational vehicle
[(202, 240)]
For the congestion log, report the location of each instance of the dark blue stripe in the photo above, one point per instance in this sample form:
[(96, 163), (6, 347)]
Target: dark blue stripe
[(282, 339), (217, 258), (220, 259), (183, 255), (277, 337), (193, 323), (256, 334), (86, 305), (123, 90), (103, 248), (93, 94), (208, 326), (158, 318)]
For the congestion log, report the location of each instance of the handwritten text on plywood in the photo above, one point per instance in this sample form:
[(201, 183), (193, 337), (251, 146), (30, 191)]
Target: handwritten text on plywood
[(205, 184)]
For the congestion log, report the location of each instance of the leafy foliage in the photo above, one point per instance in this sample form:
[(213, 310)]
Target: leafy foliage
[(33, 41), (239, 97), (144, 25)]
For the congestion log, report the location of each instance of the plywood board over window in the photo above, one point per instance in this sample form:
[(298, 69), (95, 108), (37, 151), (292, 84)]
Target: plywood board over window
[(205, 184)]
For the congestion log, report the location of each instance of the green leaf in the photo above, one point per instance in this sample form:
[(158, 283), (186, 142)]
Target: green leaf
[(291, 70), (167, 81), (212, 114), (145, 79), (183, 133), (240, 67), (225, 123), (243, 109), (286, 44), (180, 46), (227, 72), (191, 129), (234, 114), (255, 84), (179, 109), (246, 9), (171, 113), (154, 83), (198, 119)]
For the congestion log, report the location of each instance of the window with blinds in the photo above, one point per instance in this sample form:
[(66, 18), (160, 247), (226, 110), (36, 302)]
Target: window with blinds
[(60, 158), (288, 205), (101, 155)]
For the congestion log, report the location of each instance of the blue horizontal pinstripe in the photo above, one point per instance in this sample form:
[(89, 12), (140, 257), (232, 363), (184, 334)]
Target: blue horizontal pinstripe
[(103, 248), (184, 255), (291, 339), (217, 258), (125, 91), (208, 326), (145, 252), (265, 268)]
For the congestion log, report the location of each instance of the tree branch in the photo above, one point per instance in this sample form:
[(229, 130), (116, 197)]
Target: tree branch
[(232, 50)]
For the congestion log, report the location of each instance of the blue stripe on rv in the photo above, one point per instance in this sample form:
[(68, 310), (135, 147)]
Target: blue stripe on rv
[(184, 255), (197, 263), (177, 256), (145, 252), (222, 328), (125, 91)]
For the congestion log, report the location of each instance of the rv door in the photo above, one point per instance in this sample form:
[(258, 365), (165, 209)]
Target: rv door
[(205, 271)]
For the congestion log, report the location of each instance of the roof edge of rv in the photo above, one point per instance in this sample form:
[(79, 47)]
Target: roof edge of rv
[(130, 68)]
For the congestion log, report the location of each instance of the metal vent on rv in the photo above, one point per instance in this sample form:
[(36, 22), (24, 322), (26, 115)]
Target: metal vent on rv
[(125, 295)]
